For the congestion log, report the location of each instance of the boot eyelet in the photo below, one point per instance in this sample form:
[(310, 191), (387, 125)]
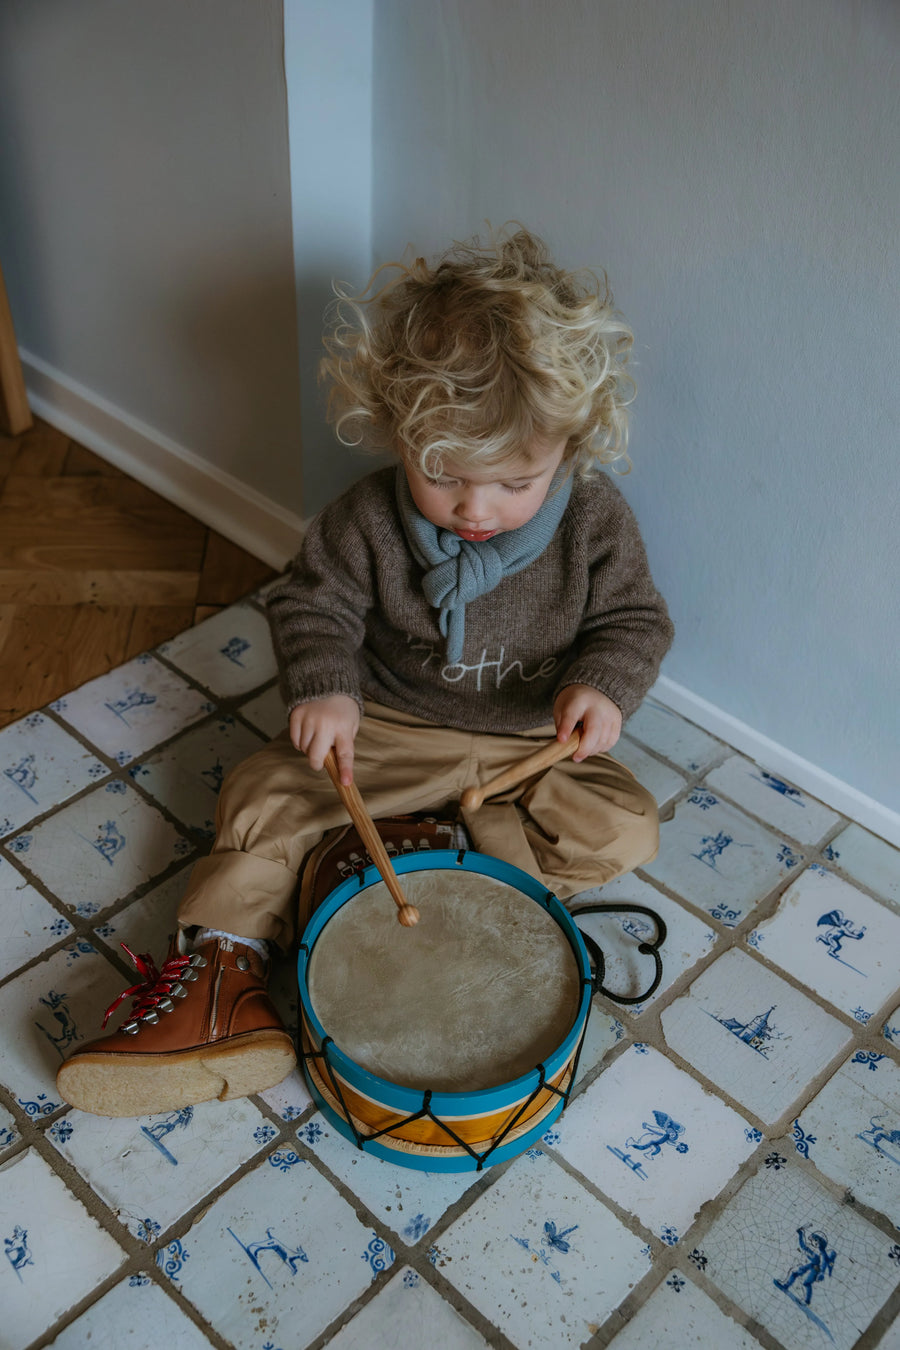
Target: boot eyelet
[(198, 961), (178, 991), (190, 975), (152, 1016), (131, 1028), (166, 1005)]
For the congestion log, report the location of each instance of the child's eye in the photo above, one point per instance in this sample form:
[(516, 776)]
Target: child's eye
[(445, 482), (517, 487)]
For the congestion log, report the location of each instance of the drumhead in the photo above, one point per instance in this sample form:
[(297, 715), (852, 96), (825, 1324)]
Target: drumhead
[(480, 991)]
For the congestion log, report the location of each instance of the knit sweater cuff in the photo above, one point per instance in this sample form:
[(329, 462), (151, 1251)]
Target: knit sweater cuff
[(622, 690), (298, 688)]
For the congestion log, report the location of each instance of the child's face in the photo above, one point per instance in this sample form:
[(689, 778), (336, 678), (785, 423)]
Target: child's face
[(478, 505)]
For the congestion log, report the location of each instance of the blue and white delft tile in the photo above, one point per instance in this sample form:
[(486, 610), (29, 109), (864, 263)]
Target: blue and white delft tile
[(408, 1201), (54, 1252), (688, 939), (133, 708), (810, 1270), (664, 782), (753, 1034), (45, 1014), (891, 1028), (835, 939), (187, 775), (40, 766), (230, 654), (775, 801), (407, 1312), (678, 1314), (147, 924), (290, 1098), (266, 711), (851, 1131), (9, 1131), (281, 1245), (101, 847), (152, 1169), (28, 923), (540, 1257), (673, 737), (649, 1136), (603, 1031), (870, 860), (720, 859), (125, 1317)]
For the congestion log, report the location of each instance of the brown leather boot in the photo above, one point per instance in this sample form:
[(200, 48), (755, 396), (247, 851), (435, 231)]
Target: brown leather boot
[(200, 1028)]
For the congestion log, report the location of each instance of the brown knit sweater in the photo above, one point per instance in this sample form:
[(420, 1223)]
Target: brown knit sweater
[(351, 617)]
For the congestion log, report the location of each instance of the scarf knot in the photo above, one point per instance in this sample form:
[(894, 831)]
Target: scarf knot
[(458, 571)]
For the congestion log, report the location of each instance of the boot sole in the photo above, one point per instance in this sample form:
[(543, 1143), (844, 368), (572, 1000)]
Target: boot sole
[(143, 1085)]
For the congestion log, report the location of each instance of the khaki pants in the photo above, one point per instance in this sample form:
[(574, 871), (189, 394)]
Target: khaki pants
[(577, 825)]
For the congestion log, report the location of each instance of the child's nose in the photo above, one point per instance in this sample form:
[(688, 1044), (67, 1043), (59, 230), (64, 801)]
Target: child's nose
[(473, 507)]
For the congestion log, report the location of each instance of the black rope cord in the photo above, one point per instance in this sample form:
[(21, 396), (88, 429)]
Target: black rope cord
[(425, 1111), (645, 949)]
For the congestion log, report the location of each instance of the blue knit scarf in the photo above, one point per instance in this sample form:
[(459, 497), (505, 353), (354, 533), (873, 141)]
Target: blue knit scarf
[(460, 570)]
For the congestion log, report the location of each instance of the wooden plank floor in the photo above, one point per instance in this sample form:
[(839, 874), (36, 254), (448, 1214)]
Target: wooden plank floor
[(94, 568)]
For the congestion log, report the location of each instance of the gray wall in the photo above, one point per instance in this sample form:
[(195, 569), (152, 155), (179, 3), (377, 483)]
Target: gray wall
[(145, 218), (734, 165)]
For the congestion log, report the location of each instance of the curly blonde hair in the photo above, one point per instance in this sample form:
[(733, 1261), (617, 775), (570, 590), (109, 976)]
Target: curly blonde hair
[(480, 356)]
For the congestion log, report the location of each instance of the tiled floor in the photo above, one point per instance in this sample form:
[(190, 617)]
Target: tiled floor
[(727, 1175)]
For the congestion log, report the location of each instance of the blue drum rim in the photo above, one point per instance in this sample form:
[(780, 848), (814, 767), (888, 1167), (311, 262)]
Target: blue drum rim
[(449, 1104)]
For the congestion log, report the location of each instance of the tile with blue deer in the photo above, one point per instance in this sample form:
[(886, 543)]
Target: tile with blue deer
[(673, 737), (627, 972), (121, 1319), (266, 711), (806, 1267), (187, 775), (753, 1034), (280, 1252), (9, 1131), (540, 1257), (678, 1314), (650, 1137), (46, 1013), (664, 782), (28, 923), (230, 654), (408, 1201), (851, 1131), (152, 1169), (40, 766), (407, 1312), (869, 860), (837, 940), (147, 924), (133, 708), (54, 1252), (97, 850), (719, 859), (773, 799)]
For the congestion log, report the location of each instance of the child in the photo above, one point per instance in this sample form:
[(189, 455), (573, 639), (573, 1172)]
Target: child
[(486, 591)]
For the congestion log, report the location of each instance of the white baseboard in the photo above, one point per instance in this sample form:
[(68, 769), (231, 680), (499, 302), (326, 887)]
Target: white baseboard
[(220, 500), (840, 796)]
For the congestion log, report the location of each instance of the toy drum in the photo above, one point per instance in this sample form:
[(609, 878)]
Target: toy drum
[(453, 1044)]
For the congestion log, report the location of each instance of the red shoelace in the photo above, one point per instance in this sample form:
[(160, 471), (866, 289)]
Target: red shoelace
[(155, 985)]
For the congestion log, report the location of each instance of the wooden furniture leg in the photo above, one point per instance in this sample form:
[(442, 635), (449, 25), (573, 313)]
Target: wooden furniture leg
[(15, 414)]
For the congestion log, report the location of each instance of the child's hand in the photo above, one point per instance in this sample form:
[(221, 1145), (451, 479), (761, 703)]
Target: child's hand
[(600, 718), (323, 725)]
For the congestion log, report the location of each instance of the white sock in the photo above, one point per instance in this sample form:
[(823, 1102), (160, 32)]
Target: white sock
[(207, 934)]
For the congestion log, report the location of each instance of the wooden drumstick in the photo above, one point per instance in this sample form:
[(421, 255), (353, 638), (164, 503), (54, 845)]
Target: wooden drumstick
[(549, 754), (407, 914)]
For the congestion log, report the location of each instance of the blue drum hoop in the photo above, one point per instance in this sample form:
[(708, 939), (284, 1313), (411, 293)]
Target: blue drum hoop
[(445, 1107)]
